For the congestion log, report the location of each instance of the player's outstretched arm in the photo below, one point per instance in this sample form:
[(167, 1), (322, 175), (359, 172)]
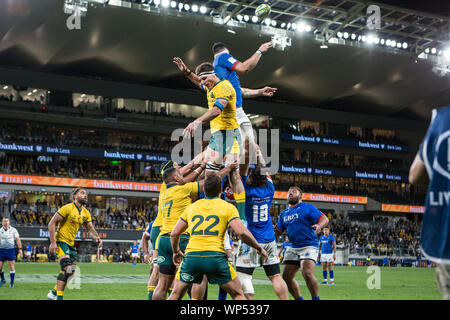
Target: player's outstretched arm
[(263, 92), (207, 117), (243, 234), (323, 221), (179, 228), (191, 76), (52, 232), (144, 244), (93, 233), (250, 63), (417, 172)]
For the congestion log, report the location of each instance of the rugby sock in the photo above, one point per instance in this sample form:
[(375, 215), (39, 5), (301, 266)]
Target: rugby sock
[(222, 294), (299, 298), (240, 203), (316, 298), (12, 275), (60, 295), (331, 275), (151, 289), (325, 275), (54, 290), (2, 275)]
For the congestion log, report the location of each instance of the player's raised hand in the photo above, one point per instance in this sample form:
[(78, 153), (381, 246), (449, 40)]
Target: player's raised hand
[(147, 258), (189, 130), (177, 257), (268, 91), (266, 46), (180, 64)]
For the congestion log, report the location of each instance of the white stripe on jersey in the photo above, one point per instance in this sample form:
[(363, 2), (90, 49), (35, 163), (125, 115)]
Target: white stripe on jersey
[(7, 237)]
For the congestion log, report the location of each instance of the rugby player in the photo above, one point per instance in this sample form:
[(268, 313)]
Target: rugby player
[(327, 249), (69, 218), (208, 220)]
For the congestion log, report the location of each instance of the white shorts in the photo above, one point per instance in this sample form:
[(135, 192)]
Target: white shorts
[(241, 117), (28, 253), (326, 257), (247, 257), (135, 255), (298, 254)]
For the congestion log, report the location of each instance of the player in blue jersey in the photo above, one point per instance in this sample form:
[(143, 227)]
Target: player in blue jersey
[(227, 67), (28, 252), (434, 158), (302, 223), (327, 249), (259, 192), (134, 251)]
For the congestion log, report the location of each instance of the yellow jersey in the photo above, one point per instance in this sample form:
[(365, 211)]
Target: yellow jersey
[(174, 201), (208, 221), (73, 219), (159, 219), (227, 118)]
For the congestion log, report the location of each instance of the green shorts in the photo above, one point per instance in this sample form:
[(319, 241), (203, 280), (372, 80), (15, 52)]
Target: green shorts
[(65, 250), (165, 253), (214, 265), (226, 141), (154, 233)]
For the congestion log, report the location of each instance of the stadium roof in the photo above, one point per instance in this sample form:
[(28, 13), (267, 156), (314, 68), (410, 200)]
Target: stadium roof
[(135, 44)]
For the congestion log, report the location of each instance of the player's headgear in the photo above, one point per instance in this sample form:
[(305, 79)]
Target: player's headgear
[(212, 185), (218, 47), (168, 164), (205, 68)]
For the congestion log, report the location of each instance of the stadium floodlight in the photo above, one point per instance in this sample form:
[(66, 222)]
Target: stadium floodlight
[(405, 45), (364, 39), (227, 19), (5, 87), (370, 39), (173, 4), (239, 17), (246, 18), (339, 34), (165, 3), (194, 8), (301, 26), (353, 36), (388, 42), (203, 9), (376, 40), (427, 50), (274, 23), (294, 26), (157, 2), (433, 51), (283, 24), (267, 21), (446, 54), (29, 94), (35, 90), (308, 28), (289, 25), (187, 6), (255, 19), (359, 38), (393, 43), (346, 35), (382, 41)]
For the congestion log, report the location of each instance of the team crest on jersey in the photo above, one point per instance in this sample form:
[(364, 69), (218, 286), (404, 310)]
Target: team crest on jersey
[(187, 277), (232, 60), (161, 259)]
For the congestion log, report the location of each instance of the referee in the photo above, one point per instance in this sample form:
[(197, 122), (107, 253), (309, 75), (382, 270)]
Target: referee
[(7, 252)]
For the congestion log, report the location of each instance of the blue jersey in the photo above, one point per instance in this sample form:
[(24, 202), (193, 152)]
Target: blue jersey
[(435, 153), (223, 67), (134, 248), (149, 227), (327, 243), (29, 247), (286, 245), (257, 210), (298, 222)]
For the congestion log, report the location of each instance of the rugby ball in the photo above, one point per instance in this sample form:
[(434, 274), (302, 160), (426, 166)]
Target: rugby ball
[(262, 11)]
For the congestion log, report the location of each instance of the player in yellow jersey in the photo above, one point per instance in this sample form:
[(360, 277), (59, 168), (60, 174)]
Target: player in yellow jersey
[(225, 142), (189, 175), (69, 219), (208, 220)]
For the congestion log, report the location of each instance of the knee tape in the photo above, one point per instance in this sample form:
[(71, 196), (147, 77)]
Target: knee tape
[(246, 282)]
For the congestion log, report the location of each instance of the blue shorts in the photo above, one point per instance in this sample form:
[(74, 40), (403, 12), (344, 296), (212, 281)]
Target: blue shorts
[(7, 254)]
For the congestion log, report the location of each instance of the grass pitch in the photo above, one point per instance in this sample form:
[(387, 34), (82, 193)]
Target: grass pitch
[(123, 282)]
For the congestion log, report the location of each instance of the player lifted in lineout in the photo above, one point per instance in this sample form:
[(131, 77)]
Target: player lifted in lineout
[(69, 219)]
